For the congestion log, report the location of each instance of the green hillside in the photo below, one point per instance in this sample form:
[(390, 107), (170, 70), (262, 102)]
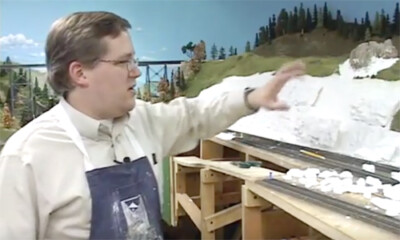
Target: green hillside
[(213, 72)]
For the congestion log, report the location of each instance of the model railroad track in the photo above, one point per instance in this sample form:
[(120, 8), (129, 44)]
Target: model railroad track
[(375, 218), (321, 158)]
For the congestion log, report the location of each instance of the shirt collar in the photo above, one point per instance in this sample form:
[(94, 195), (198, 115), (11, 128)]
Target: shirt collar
[(86, 126), (91, 128)]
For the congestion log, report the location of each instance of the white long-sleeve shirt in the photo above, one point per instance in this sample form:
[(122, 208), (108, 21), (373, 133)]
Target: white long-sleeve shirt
[(44, 192)]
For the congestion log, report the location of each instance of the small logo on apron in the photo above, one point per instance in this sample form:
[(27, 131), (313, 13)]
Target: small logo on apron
[(137, 220)]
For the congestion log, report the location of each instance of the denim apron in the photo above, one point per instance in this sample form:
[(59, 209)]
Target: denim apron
[(125, 199)]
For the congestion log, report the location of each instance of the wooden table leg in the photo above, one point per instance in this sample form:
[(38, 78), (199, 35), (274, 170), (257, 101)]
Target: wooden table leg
[(251, 215), (207, 198)]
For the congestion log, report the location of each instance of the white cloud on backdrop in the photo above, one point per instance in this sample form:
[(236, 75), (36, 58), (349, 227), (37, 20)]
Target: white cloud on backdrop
[(147, 58), (17, 40)]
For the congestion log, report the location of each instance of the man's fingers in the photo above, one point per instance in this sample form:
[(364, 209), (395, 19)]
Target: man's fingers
[(278, 105), (272, 88), (288, 67), (277, 83)]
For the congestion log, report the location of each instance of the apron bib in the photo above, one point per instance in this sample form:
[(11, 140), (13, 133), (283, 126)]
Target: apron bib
[(125, 199)]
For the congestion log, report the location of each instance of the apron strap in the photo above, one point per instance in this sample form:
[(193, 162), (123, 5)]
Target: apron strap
[(134, 142), (72, 132)]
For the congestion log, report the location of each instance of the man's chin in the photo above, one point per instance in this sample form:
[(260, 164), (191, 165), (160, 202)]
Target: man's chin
[(132, 104)]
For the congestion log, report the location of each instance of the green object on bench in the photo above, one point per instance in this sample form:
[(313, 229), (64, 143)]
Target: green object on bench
[(247, 164)]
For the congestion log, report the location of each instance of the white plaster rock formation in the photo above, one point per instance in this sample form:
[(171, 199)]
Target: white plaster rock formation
[(375, 108), (315, 130), (361, 56)]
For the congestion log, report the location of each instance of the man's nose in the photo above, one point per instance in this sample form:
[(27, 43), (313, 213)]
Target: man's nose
[(135, 73)]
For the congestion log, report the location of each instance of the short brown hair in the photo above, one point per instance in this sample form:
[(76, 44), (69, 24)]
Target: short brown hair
[(78, 37)]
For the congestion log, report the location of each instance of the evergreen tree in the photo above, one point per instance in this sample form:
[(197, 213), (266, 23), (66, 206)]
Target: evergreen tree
[(262, 35), (188, 49), (45, 94), (315, 16), (178, 74), (361, 30), (388, 27), (376, 29), (235, 52), (270, 28), (222, 53), (309, 21), (290, 23), (355, 34), (21, 80), (183, 81), (172, 86), (281, 25), (320, 23), (330, 24), (269, 40), (256, 41), (396, 20), (339, 23), (272, 33), (301, 25), (248, 47), (214, 51), (36, 89), (367, 22), (231, 51), (325, 16), (295, 20), (383, 23)]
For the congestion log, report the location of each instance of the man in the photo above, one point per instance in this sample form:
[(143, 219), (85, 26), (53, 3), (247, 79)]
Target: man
[(87, 167)]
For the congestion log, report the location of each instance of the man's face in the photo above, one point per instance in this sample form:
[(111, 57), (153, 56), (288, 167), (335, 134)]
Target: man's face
[(112, 80)]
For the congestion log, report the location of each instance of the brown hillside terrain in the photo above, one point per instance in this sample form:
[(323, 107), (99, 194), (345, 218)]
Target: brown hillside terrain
[(319, 42)]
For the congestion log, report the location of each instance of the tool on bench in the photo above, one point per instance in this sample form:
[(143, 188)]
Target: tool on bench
[(247, 164), (312, 154)]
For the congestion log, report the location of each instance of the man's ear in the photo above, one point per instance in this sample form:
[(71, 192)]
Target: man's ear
[(77, 73)]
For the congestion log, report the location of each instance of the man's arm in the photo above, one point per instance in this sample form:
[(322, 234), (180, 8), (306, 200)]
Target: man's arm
[(18, 212), (182, 122)]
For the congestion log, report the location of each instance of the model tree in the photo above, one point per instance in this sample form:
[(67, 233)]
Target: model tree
[(214, 52), (8, 121)]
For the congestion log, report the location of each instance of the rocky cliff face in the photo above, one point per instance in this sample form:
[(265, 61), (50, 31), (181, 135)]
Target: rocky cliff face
[(361, 56)]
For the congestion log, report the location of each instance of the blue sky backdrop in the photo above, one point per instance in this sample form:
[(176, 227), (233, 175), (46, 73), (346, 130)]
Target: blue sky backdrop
[(160, 27)]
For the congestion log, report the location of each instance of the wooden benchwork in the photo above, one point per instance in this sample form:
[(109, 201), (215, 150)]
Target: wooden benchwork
[(320, 220), (216, 144), (217, 208), (264, 213), (185, 179), (331, 224)]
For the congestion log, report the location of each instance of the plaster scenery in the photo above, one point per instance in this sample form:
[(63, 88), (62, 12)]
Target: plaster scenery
[(337, 113), (384, 196)]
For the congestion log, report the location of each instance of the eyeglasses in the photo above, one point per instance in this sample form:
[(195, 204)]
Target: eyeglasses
[(131, 64)]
